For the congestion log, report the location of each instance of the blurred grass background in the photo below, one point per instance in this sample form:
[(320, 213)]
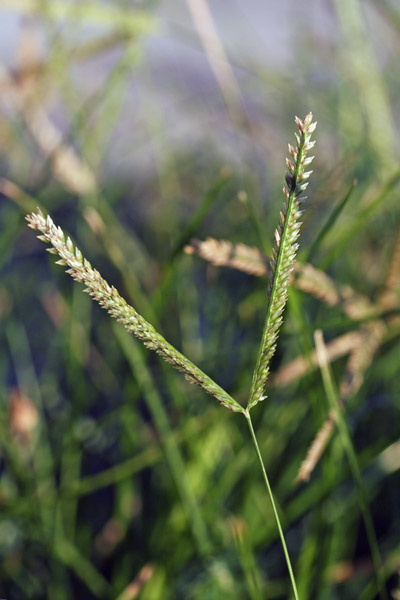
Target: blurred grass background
[(138, 126)]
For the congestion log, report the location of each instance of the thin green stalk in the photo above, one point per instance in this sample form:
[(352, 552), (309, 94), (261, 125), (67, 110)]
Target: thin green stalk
[(332, 396), (267, 484)]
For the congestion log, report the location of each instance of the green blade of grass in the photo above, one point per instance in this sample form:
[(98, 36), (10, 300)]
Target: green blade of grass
[(332, 396), (208, 201), (69, 555), (347, 233), (134, 355), (363, 69), (330, 222), (210, 198)]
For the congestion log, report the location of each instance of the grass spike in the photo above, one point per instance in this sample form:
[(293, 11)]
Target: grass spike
[(108, 297), (284, 252)]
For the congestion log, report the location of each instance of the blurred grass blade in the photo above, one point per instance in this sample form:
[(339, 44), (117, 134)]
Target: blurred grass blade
[(216, 55), (246, 557), (137, 22), (330, 222), (134, 355), (127, 468), (332, 396), (69, 555), (362, 67), (347, 233), (209, 200), (391, 13)]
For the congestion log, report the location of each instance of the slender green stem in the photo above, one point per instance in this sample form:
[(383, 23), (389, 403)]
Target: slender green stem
[(267, 484), (331, 394)]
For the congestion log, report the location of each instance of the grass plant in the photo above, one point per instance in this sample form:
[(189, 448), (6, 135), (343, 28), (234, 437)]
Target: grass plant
[(281, 265), (139, 130)]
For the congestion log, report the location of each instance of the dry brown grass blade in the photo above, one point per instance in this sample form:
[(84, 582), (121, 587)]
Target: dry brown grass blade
[(347, 570), (14, 193), (307, 278), (360, 358), (134, 588), (20, 91), (314, 281), (67, 166), (223, 253), (316, 449), (31, 66), (302, 365), (389, 298), (23, 417), (216, 55)]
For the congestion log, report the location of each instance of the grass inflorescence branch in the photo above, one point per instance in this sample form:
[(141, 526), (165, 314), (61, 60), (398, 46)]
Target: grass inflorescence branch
[(108, 297), (284, 252)]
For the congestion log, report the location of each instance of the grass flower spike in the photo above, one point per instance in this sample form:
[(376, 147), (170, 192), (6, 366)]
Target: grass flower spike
[(284, 252), (108, 297)]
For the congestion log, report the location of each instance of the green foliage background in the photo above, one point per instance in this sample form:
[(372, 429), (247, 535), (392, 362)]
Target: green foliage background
[(130, 474)]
